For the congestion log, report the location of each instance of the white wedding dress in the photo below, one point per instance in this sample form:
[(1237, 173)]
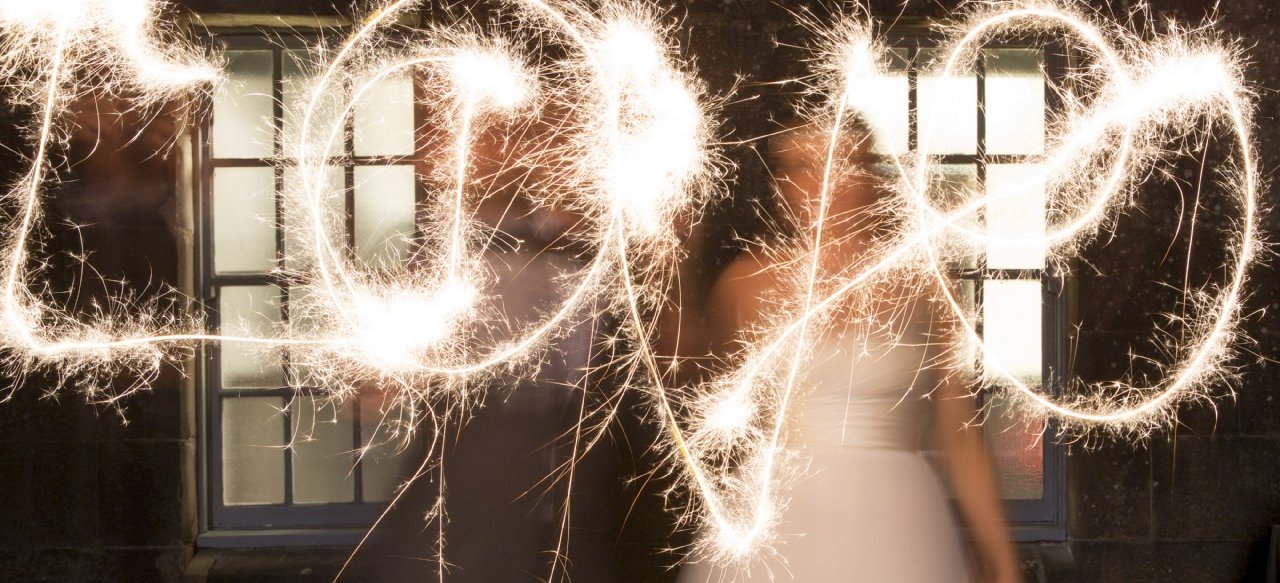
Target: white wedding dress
[(870, 507)]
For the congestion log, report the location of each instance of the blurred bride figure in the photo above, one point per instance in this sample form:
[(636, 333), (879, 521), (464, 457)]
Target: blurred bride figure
[(874, 385)]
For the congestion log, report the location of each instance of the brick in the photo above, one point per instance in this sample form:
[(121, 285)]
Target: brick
[(1109, 491), (1215, 487)]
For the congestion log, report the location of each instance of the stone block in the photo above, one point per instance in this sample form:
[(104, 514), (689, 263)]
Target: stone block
[(1109, 491)]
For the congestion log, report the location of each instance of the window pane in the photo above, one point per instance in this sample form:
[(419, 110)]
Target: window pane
[(243, 109), (322, 453), (384, 209), (947, 109), (252, 451), (299, 249), (1017, 447), (301, 325), (1011, 316), (387, 463), (1015, 213), (1015, 101), (249, 311), (296, 73), (384, 118), (244, 219), (883, 102)]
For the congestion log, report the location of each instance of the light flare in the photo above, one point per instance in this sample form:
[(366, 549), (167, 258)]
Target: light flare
[(657, 149), (490, 78), (399, 328)]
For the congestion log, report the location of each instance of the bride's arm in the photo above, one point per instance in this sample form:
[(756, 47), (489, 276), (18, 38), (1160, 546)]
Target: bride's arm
[(973, 480)]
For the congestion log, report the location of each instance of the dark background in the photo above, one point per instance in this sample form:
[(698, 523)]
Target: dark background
[(85, 496)]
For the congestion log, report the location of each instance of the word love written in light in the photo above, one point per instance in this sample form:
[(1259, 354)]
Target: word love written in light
[(633, 149)]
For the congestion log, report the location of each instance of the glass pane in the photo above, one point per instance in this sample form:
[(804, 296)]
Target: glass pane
[(244, 219), (388, 461), (297, 71), (384, 118), (953, 186), (1016, 447), (884, 102), (298, 253), (1015, 101), (243, 116), (249, 311), (947, 109), (323, 442), (1015, 217), (1011, 316), (384, 209), (252, 451)]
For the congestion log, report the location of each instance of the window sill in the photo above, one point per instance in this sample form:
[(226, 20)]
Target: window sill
[(279, 538), (265, 564)]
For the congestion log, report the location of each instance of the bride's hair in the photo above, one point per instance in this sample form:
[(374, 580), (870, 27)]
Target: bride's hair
[(803, 141)]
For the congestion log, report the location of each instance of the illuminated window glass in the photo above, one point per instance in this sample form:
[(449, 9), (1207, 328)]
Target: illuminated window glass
[(253, 410)]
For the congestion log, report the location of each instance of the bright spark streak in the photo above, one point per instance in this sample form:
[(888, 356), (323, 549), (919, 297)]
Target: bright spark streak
[(1090, 168), (637, 139), (634, 153)]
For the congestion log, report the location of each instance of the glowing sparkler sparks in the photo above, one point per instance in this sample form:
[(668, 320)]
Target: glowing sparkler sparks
[(733, 446), (658, 122), (57, 41), (127, 30), (642, 137), (633, 149), (633, 152)]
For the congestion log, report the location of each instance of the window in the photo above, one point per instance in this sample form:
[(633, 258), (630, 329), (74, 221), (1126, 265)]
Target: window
[(257, 491), (252, 480), (988, 129)]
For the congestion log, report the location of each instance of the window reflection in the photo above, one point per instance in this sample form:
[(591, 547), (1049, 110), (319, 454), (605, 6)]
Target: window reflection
[(244, 217), (322, 452), (883, 102), (249, 311), (384, 213)]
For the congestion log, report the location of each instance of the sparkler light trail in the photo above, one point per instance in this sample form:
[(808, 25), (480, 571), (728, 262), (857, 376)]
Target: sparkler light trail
[(1135, 96), (636, 145), (632, 151), (48, 53)]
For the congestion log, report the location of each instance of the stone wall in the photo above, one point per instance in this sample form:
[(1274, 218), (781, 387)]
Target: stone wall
[(96, 492)]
